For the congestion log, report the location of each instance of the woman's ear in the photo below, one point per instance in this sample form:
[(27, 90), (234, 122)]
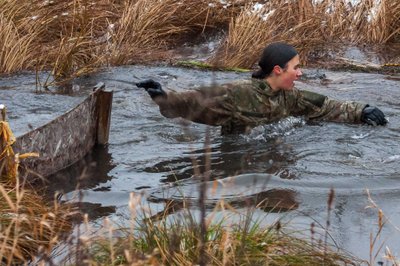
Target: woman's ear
[(277, 70)]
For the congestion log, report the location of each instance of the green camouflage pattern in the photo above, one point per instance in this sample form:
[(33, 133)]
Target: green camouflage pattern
[(238, 107)]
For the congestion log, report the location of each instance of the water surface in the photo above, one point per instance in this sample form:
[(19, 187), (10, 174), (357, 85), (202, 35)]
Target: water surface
[(291, 161)]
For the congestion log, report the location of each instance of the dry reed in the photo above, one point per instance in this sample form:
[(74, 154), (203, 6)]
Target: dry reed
[(73, 37), (311, 27), (298, 24), (146, 29), (27, 225), (376, 245), (143, 27), (76, 37), (375, 22), (15, 54), (247, 35), (181, 241)]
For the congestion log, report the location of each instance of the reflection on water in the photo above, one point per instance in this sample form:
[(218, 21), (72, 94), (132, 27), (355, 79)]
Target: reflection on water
[(89, 173), (151, 154), (231, 156), (271, 201), (237, 191)]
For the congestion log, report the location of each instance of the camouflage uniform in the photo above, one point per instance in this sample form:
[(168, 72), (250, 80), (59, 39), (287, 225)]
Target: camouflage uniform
[(238, 107)]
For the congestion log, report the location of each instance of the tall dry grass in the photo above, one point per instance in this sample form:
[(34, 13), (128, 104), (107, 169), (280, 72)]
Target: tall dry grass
[(146, 29), (376, 244), (63, 35), (73, 38), (72, 34), (29, 227), (180, 240), (300, 23), (375, 22), (16, 39), (144, 26), (248, 33), (311, 27)]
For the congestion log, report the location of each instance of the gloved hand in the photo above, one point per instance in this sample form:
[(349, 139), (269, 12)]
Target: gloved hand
[(373, 116), (152, 87)]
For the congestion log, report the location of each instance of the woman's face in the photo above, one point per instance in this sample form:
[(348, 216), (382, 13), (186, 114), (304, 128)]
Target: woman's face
[(289, 74)]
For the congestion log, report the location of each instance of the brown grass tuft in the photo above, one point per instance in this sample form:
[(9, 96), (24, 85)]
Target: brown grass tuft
[(16, 53), (252, 30), (144, 26), (384, 22), (310, 27), (76, 37), (146, 29), (27, 226), (180, 240), (247, 36)]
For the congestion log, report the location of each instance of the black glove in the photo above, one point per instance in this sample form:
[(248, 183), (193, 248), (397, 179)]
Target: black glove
[(373, 116), (152, 87)]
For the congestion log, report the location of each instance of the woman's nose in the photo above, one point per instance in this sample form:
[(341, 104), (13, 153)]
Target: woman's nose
[(299, 73)]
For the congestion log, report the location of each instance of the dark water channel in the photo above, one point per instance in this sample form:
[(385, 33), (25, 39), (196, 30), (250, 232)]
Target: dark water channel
[(291, 162)]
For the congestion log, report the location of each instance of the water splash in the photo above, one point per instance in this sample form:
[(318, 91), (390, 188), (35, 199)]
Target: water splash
[(283, 127), (361, 136), (392, 158)]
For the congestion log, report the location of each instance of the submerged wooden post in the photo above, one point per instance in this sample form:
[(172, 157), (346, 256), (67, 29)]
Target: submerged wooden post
[(104, 106)]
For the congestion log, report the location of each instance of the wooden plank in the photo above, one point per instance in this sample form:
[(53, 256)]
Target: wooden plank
[(104, 103), (65, 140)]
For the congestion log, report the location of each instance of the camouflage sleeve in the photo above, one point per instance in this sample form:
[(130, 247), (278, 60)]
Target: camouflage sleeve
[(319, 107), (201, 106)]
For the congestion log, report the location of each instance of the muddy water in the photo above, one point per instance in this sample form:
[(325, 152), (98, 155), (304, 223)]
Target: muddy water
[(292, 163)]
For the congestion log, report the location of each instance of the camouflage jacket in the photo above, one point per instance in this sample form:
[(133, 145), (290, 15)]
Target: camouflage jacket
[(238, 107)]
